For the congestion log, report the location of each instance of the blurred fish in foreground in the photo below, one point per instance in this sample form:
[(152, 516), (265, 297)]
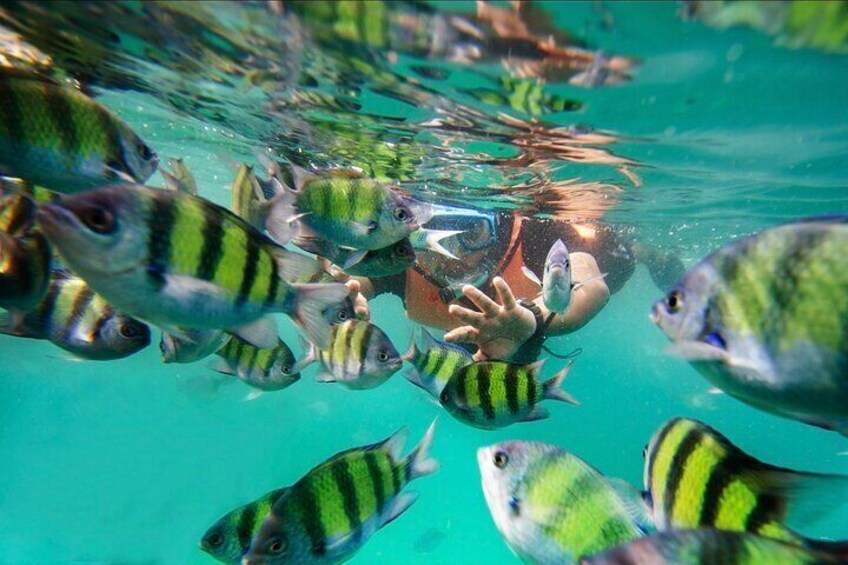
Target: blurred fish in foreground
[(72, 316), (714, 547), (176, 260), (330, 513), (25, 256), (552, 508), (56, 136), (694, 478), (765, 319)]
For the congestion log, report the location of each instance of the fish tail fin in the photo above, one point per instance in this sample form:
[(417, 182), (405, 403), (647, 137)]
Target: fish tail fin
[(307, 309), (553, 387), (310, 355), (419, 463), (281, 220)]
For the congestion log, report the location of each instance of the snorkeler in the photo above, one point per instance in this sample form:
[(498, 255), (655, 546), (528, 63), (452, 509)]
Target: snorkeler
[(492, 248)]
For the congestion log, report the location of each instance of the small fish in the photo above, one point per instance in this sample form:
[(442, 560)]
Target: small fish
[(351, 211), (58, 137), (190, 345), (176, 260), (494, 394), (715, 547), (552, 508), (330, 513), (265, 369), (765, 319), (248, 199), (24, 270), (360, 356), (528, 95), (385, 262), (228, 539), (435, 364), (556, 283), (180, 177), (695, 478), (72, 316)]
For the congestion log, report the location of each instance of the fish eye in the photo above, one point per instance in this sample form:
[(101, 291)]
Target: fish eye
[(215, 539), (674, 301), (501, 459), (276, 546), (402, 214), (98, 219), (130, 331), (342, 315), (145, 151), (401, 251), (287, 369), (383, 356)]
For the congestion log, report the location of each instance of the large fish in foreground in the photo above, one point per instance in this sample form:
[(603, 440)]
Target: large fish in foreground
[(176, 260), (494, 394), (695, 478), (765, 319), (330, 513), (58, 137), (715, 547), (557, 285), (552, 508)]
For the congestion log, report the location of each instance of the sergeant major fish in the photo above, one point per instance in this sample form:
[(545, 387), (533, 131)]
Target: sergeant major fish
[(56, 136), (552, 508), (262, 368), (176, 260), (228, 539), (765, 319), (715, 547), (330, 513), (557, 285), (72, 316), (435, 364), (695, 478), (494, 394), (360, 356)]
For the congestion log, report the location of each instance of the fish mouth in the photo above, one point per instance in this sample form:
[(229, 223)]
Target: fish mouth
[(396, 364)]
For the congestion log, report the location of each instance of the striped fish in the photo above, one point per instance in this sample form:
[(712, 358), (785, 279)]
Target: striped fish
[(765, 319), (190, 345), (72, 316), (330, 513), (180, 177), (715, 547), (435, 364), (56, 136), (528, 95), (494, 394), (176, 260), (383, 262), (24, 270), (262, 368), (248, 200), (339, 206), (228, 539), (360, 356), (552, 508), (17, 214), (696, 478)]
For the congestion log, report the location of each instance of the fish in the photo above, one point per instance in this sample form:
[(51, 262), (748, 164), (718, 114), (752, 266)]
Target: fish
[(228, 539), (262, 368), (765, 319), (361, 356), (248, 200), (17, 214), (384, 262), (528, 95), (350, 210), (58, 137), (551, 507), (190, 345), (557, 285), (695, 478), (332, 511), (435, 363), (74, 317), (177, 260), (493, 394), (180, 177), (714, 547), (25, 264)]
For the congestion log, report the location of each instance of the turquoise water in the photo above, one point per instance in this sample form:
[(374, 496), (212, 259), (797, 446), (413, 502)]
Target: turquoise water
[(130, 461)]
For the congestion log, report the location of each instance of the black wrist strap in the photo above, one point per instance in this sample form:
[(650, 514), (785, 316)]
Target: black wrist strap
[(529, 351)]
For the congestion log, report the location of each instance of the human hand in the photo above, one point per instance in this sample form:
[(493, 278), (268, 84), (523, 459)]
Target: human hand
[(360, 303), (498, 329)]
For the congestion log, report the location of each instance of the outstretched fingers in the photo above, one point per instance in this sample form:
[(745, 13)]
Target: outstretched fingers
[(463, 333), (486, 305), (505, 294), (466, 316)]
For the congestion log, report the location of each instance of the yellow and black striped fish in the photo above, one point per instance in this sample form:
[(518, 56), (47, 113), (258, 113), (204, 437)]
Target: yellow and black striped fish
[(494, 394), (332, 511), (17, 214), (695, 478), (177, 260), (58, 137), (25, 258), (268, 368), (228, 539), (72, 316)]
